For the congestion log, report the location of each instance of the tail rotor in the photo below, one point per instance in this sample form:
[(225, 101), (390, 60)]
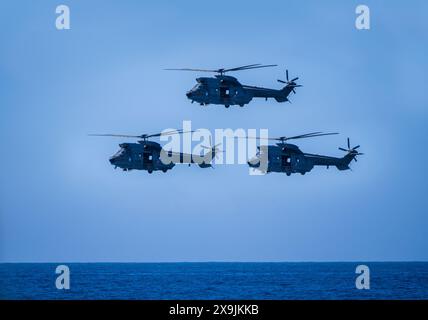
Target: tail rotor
[(290, 86), (290, 83), (352, 151), (213, 149)]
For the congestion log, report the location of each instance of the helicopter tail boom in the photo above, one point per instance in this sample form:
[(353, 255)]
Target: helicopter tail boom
[(340, 163)]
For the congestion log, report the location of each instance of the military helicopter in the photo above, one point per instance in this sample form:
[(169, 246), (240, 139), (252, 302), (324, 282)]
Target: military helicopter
[(288, 158), (149, 155), (227, 91)]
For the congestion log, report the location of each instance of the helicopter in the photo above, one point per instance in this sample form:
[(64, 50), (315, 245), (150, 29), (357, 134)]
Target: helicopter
[(288, 158), (149, 155), (227, 90)]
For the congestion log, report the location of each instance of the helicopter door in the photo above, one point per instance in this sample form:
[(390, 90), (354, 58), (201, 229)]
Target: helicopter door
[(224, 92), (147, 158), (286, 161)]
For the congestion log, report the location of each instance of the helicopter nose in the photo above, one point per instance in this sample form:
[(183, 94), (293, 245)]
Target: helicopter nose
[(188, 94), (112, 160)]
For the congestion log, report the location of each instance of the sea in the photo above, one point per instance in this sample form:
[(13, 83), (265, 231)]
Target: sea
[(219, 281)]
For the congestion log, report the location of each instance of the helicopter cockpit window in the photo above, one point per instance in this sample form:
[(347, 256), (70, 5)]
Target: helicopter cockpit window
[(120, 152), (196, 87)]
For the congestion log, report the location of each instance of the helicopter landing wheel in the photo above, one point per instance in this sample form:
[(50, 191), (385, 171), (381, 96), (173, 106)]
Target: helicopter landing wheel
[(288, 174), (226, 106), (302, 173), (150, 171), (241, 105), (164, 170)]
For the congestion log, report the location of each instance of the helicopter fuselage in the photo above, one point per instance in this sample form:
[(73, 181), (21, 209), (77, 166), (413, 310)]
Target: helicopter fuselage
[(227, 91), (288, 158), (140, 156), (146, 155)]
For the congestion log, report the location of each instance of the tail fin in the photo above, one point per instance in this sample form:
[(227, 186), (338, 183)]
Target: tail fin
[(351, 155), (283, 94), (289, 87), (345, 161)]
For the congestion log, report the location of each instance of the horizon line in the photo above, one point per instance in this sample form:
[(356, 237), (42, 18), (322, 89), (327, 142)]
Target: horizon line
[(213, 261)]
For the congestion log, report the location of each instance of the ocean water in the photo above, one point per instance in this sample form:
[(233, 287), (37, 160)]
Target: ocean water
[(401, 280)]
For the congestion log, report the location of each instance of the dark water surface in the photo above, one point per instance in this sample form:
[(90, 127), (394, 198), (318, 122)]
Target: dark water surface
[(388, 280)]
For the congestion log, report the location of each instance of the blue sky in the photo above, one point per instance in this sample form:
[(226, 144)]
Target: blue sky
[(60, 200)]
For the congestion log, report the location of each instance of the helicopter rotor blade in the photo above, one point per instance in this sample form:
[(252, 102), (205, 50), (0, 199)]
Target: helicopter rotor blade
[(190, 69), (315, 134), (292, 80), (343, 149), (242, 67), (113, 135), (142, 136), (159, 134), (248, 67), (349, 144), (281, 81), (297, 137), (311, 135), (224, 70), (286, 74), (302, 136), (167, 133)]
